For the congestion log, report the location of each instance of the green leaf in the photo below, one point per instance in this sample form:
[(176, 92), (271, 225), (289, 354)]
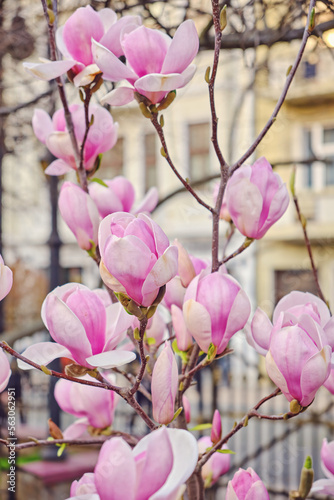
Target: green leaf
[(176, 414), (201, 427), (183, 354), (99, 181), (151, 341), (224, 452), (61, 449)]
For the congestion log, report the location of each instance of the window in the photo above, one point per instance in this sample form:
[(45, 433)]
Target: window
[(319, 143), (113, 161), (291, 279), (199, 150), (150, 161), (310, 70)]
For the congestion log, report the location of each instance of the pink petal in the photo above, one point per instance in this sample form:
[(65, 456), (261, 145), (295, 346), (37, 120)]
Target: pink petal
[(42, 125), (118, 321), (163, 271), (149, 202), (108, 17), (315, 372), (158, 462), (58, 167), (183, 337), (164, 386), (43, 353), (77, 429), (78, 31), (111, 359), (60, 145), (6, 279), (198, 323), (119, 96), (112, 38), (258, 335), (156, 82), (66, 329), (48, 70), (115, 472), (297, 298), (112, 68), (183, 48), (145, 50), (5, 371), (124, 190)]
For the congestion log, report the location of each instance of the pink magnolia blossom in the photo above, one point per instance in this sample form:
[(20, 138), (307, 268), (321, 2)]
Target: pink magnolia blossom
[(329, 384), (246, 485), (136, 258), (256, 198), (215, 308), (287, 313), (102, 136), (5, 371), (216, 430), (188, 267), (298, 360), (83, 328), (80, 214), (118, 195), (6, 279), (164, 386), (74, 42), (156, 64), (326, 486), (155, 469), (217, 465), (94, 406), (85, 486), (183, 337)]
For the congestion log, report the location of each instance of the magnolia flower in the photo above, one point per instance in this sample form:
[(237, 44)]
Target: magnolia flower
[(80, 214), (256, 198), (74, 42), (215, 308), (155, 469), (156, 64), (5, 371), (326, 486), (287, 312), (83, 328), (118, 195), (164, 386), (246, 485), (102, 136), (94, 406), (298, 360), (6, 279), (136, 258), (188, 267), (217, 465)]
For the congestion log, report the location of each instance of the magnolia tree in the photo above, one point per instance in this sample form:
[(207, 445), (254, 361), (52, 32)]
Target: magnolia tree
[(102, 331)]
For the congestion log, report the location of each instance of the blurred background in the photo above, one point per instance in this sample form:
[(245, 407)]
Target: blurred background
[(260, 42)]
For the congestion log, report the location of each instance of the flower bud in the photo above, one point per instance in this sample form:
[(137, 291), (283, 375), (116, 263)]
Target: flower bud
[(216, 430), (164, 386)]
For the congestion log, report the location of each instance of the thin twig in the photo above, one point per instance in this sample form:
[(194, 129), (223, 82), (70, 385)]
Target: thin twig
[(243, 423), (135, 387), (288, 81), (302, 221), (158, 127), (242, 248), (131, 440), (63, 98)]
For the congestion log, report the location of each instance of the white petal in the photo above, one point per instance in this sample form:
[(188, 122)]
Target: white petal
[(50, 70), (43, 353), (111, 358)]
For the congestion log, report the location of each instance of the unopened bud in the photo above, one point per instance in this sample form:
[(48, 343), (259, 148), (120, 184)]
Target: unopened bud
[(54, 430), (223, 19), (51, 16), (295, 406), (306, 478), (207, 74), (167, 101), (145, 111)]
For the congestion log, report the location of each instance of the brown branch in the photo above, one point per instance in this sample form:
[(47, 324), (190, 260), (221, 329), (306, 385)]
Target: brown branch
[(5, 111), (242, 248), (131, 440), (135, 387), (289, 79), (62, 95), (158, 127), (302, 221), (243, 423)]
